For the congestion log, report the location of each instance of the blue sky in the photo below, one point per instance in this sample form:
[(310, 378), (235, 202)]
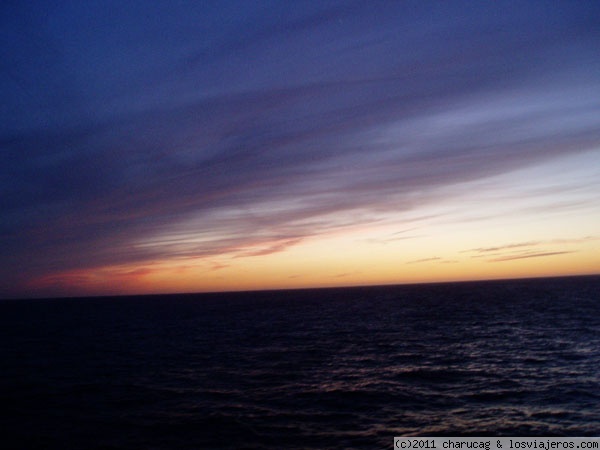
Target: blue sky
[(143, 135)]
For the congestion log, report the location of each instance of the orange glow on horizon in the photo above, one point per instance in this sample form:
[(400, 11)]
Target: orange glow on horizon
[(469, 237), (318, 263)]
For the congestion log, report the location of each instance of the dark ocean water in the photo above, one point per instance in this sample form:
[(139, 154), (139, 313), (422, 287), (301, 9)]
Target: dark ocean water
[(329, 368)]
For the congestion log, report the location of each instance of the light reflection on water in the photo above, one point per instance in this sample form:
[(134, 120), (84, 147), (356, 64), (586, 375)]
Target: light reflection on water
[(344, 368)]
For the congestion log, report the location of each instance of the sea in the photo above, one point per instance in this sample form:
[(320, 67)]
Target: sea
[(343, 368)]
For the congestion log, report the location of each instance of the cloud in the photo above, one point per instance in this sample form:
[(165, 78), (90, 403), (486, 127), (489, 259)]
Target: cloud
[(84, 282), (530, 255), (218, 266), (418, 261), (346, 274), (528, 249), (271, 248), (243, 129), (485, 250), (393, 237)]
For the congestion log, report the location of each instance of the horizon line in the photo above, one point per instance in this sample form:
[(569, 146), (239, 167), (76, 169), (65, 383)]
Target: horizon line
[(295, 289)]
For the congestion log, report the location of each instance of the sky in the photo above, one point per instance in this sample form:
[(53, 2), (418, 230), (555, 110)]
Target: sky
[(185, 146)]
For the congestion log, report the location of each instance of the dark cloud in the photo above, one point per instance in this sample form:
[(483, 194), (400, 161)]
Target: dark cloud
[(525, 250), (422, 260), (529, 255), (484, 250), (140, 130)]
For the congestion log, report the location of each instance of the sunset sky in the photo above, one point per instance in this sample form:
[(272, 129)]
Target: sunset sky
[(154, 147)]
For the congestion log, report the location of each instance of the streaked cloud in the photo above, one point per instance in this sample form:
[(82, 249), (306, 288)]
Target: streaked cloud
[(525, 250), (423, 260), (529, 255), (247, 129), (503, 247)]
